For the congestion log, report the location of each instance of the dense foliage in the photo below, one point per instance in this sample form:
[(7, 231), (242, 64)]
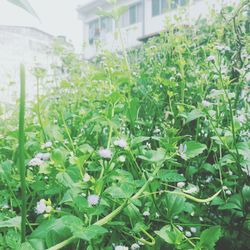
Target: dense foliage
[(154, 154)]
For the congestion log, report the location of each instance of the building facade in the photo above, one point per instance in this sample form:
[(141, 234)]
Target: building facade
[(26, 45), (140, 19)]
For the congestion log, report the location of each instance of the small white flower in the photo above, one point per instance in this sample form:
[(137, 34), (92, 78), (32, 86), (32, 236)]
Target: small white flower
[(121, 248), (43, 156), (47, 144), (86, 177), (182, 149), (157, 215), (93, 199), (192, 214), (35, 162), (146, 213), (180, 228), (225, 188), (241, 119), (193, 189), (230, 172), (176, 217), (181, 184), (193, 229), (121, 158), (211, 58), (206, 103), (120, 143), (135, 246), (48, 209), (40, 206), (105, 153), (228, 192), (188, 234), (201, 219)]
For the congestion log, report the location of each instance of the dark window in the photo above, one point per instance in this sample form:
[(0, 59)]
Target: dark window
[(159, 7)]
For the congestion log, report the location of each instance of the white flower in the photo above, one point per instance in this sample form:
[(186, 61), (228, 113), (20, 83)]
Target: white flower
[(192, 189), (157, 215), (211, 58), (105, 153), (121, 158), (201, 219), (193, 229), (181, 184), (48, 209), (180, 228), (43, 156), (188, 234), (93, 199), (86, 177), (228, 192), (121, 248), (47, 144), (192, 214), (40, 206), (182, 149), (135, 246), (206, 103), (241, 119), (35, 162), (146, 213), (120, 143)]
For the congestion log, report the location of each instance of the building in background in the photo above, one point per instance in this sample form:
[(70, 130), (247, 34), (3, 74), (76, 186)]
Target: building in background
[(142, 19), (22, 45)]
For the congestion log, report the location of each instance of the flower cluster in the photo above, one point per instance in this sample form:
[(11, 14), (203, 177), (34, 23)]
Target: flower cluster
[(43, 206)]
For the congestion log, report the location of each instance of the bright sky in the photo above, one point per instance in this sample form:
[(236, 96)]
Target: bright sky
[(58, 17)]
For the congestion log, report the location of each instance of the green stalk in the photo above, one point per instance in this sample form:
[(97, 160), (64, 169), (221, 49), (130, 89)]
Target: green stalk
[(21, 138), (38, 108)]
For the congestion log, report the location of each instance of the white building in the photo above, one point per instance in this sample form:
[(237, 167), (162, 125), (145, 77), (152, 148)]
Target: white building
[(27, 45), (141, 19)]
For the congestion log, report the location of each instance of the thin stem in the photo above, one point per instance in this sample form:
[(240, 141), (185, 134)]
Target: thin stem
[(22, 168)]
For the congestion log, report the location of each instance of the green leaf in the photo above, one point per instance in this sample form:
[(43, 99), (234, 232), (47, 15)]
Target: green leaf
[(193, 149), (170, 235), (158, 155), (24, 4), (194, 114), (13, 222), (170, 176), (246, 193), (174, 204), (64, 179), (91, 232), (209, 237)]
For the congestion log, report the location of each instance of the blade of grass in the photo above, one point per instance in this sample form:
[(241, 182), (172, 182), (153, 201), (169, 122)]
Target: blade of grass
[(21, 138)]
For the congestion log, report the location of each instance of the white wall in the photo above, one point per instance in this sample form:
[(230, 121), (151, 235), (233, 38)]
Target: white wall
[(29, 48)]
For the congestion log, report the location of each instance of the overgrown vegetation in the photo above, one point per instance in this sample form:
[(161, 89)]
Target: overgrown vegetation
[(151, 155)]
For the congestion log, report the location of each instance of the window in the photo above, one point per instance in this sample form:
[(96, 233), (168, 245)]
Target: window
[(94, 31), (106, 24), (99, 26), (132, 16), (161, 6), (176, 3)]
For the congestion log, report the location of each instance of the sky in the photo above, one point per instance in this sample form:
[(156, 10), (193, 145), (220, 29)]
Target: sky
[(58, 17)]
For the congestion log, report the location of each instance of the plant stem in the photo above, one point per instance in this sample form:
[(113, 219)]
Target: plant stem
[(22, 168)]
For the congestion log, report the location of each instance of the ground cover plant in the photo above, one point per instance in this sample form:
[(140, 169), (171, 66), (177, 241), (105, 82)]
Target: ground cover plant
[(145, 150)]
